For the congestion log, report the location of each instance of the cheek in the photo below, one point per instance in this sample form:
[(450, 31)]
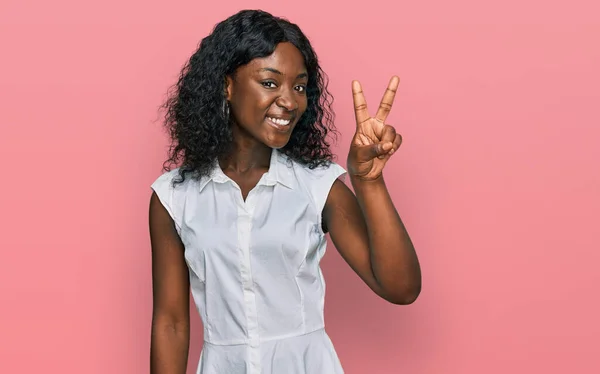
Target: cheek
[(302, 104), (250, 105), (258, 102)]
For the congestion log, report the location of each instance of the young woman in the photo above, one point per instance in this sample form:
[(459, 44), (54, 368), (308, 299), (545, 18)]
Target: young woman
[(241, 221)]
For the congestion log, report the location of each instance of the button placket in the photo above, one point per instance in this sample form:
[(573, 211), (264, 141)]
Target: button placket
[(245, 214)]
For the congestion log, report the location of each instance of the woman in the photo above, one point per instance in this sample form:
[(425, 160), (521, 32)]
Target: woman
[(242, 221)]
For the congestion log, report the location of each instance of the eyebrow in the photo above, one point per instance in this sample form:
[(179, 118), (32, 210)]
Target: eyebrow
[(272, 70)]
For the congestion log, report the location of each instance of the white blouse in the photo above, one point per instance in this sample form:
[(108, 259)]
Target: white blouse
[(254, 267)]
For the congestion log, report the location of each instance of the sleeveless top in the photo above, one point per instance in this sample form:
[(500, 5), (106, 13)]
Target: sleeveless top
[(254, 267)]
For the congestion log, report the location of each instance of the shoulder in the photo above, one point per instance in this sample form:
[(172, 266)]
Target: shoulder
[(171, 195), (165, 178), (318, 181), (170, 181), (331, 171)]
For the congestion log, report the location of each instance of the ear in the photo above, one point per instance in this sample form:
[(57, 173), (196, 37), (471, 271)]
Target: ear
[(228, 87)]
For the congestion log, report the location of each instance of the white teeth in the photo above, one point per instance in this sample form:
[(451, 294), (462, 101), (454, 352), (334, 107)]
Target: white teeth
[(282, 122)]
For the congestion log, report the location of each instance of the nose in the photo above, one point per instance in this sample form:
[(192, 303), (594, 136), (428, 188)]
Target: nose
[(287, 100)]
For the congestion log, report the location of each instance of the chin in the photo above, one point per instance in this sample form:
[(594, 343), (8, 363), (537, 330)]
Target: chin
[(277, 137), (276, 143)]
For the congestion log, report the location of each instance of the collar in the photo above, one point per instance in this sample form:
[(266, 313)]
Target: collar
[(280, 172)]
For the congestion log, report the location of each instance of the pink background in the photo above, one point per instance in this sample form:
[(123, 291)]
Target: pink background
[(498, 179)]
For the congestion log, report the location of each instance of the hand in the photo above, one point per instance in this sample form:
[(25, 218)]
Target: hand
[(374, 141)]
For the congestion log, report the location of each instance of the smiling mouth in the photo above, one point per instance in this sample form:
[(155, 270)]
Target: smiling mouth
[(279, 121), (281, 125)]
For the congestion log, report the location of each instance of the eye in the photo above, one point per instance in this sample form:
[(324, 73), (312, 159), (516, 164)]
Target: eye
[(268, 84), (301, 88)]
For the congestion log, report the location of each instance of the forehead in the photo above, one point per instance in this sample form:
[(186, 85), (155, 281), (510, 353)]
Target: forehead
[(285, 58)]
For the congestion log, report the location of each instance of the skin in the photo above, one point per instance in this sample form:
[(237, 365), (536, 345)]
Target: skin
[(274, 86), (364, 226)]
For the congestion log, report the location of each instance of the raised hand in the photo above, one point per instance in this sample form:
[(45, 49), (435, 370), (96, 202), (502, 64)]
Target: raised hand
[(374, 141)]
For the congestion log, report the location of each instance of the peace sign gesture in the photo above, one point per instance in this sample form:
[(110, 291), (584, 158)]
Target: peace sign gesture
[(374, 141)]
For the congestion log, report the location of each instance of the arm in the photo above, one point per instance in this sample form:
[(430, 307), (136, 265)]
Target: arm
[(366, 228), (368, 232), (170, 290)]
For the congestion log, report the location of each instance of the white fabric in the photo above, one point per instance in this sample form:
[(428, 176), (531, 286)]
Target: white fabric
[(254, 267)]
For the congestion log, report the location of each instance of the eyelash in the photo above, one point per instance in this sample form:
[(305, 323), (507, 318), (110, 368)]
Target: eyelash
[(265, 84)]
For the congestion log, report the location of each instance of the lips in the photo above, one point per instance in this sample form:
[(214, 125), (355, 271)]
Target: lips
[(280, 124), (279, 121)]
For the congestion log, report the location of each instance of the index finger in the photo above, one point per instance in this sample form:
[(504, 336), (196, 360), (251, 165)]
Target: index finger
[(388, 99), (360, 104)]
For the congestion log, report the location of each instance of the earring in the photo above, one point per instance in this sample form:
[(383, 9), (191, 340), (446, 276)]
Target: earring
[(225, 109)]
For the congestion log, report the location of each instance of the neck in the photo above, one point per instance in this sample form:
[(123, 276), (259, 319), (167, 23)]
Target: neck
[(246, 154)]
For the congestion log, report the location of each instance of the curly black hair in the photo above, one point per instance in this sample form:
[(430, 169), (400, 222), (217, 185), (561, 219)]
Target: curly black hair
[(199, 129)]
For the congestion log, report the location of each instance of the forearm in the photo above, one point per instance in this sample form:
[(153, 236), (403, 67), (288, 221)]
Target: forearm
[(393, 258), (169, 348)]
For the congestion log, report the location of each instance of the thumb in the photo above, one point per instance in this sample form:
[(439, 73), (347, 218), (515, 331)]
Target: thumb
[(374, 150)]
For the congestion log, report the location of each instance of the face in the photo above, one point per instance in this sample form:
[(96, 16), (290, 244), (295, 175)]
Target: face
[(267, 96)]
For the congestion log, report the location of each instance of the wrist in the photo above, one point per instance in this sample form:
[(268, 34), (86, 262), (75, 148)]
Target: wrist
[(361, 183)]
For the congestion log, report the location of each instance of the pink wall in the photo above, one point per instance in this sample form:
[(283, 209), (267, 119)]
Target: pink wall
[(498, 179)]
